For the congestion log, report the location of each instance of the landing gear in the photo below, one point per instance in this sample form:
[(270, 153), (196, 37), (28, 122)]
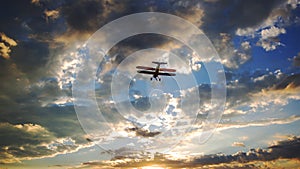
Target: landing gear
[(156, 78)]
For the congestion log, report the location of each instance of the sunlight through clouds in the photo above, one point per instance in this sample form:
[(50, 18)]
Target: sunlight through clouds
[(42, 47)]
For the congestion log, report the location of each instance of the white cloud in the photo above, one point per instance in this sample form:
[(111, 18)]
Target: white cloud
[(195, 63), (64, 66), (269, 38), (234, 112), (246, 45), (269, 44), (54, 145), (267, 122), (63, 101), (296, 60), (260, 78), (272, 32), (245, 31)]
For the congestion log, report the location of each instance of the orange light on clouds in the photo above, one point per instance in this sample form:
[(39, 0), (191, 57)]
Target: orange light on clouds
[(152, 167)]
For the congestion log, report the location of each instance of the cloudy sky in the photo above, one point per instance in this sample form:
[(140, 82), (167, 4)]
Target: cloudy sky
[(42, 46)]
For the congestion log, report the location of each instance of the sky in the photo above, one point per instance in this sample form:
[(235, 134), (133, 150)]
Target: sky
[(48, 120)]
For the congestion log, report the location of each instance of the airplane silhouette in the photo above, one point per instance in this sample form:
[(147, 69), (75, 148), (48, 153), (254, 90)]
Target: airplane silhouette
[(156, 71)]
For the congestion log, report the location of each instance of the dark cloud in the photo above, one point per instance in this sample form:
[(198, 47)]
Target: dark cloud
[(136, 43), (292, 81), (229, 15), (287, 148), (84, 15), (90, 15), (22, 20), (283, 149), (31, 56), (141, 132), (10, 74), (14, 15), (26, 24)]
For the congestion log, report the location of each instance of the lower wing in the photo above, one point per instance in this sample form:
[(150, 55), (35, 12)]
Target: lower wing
[(167, 74), (145, 72), (145, 68)]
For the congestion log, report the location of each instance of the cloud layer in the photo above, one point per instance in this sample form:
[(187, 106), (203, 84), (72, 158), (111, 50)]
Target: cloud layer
[(286, 149)]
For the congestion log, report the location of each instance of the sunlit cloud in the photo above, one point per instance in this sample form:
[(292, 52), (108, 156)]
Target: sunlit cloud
[(5, 44), (238, 144), (51, 14), (279, 97), (36, 2), (8, 40)]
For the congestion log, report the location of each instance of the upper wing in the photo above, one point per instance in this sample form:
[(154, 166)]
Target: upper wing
[(145, 68), (160, 63), (167, 74), (160, 69), (167, 70), (145, 72)]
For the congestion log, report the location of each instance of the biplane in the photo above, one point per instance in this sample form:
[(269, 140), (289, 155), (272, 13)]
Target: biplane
[(155, 72)]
